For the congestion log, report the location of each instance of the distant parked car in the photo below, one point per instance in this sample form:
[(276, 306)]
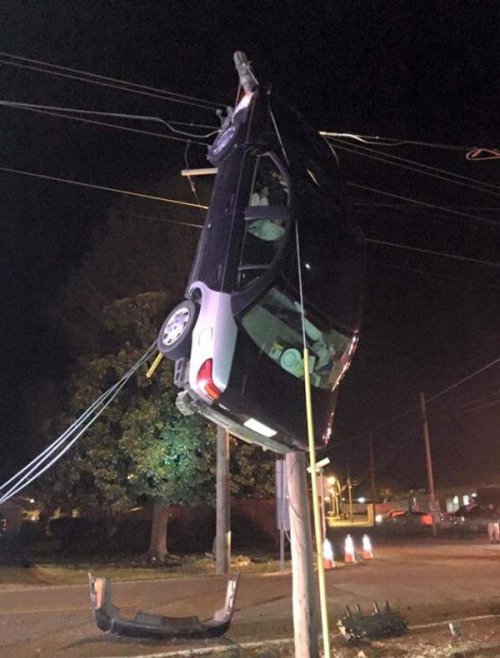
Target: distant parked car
[(3, 525), (473, 517), (448, 520), (402, 518)]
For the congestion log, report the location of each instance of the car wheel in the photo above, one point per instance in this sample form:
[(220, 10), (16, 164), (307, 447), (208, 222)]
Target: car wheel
[(174, 340)]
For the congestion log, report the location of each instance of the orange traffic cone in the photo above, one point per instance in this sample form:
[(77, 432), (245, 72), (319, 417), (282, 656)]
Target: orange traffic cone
[(367, 548), (328, 559), (349, 557)]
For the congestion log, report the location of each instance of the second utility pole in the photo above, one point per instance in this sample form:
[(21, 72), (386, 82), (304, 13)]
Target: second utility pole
[(222, 532), (428, 461)]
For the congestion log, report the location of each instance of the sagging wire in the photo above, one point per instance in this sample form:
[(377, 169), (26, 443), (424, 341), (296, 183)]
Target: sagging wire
[(104, 188), (193, 135), (418, 167), (474, 153), (390, 141), (417, 202), (47, 109), (34, 469), (105, 81)]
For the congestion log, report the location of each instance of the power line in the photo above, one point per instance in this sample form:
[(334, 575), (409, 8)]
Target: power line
[(421, 168), (409, 206), (434, 253), (166, 221), (100, 113), (435, 275), (410, 410), (102, 187), (110, 79), (481, 406), (102, 81), (462, 381), (481, 398), (424, 203), (391, 141), (112, 125), (203, 207), (34, 469)]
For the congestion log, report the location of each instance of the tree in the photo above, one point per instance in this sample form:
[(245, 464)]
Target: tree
[(142, 448)]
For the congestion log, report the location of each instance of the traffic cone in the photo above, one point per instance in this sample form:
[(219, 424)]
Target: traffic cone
[(367, 548), (328, 559), (349, 557)]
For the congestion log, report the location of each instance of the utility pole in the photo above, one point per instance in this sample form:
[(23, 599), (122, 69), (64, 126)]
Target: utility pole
[(304, 623), (372, 471), (321, 480), (428, 461), (349, 487), (223, 532)]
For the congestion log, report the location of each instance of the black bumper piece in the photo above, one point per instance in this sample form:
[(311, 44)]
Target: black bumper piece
[(146, 625)]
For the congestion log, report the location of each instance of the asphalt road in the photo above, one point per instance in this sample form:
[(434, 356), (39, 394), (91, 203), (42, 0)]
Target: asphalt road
[(426, 580)]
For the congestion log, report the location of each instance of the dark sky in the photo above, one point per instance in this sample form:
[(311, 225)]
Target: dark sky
[(409, 70)]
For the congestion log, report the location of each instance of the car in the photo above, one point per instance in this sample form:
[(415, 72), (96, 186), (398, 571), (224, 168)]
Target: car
[(3, 525), (408, 518), (474, 517), (276, 287)]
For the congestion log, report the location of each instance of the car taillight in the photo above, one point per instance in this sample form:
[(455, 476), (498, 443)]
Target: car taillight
[(205, 382)]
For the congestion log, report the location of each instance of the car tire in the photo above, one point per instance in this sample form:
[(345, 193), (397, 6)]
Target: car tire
[(174, 339)]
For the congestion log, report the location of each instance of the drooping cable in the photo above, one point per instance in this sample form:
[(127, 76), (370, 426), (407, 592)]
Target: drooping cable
[(63, 443), (462, 381), (70, 113), (17, 61), (433, 253), (412, 409), (418, 167), (391, 141), (113, 125), (104, 188), (418, 202)]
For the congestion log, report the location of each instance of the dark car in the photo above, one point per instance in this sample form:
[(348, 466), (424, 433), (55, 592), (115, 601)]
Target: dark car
[(3, 525), (279, 268), (475, 517)]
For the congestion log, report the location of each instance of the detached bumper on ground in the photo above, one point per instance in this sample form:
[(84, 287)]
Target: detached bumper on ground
[(146, 625)]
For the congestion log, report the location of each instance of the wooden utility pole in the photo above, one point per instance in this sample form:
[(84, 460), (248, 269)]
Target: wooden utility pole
[(428, 461), (372, 471), (304, 624), (223, 532), (349, 488)]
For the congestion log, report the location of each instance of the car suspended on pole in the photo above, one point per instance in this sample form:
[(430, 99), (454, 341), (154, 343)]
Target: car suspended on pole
[(279, 267)]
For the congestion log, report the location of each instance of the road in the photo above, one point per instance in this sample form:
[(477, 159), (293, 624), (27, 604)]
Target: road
[(427, 580)]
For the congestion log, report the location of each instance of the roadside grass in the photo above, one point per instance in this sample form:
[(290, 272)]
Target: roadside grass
[(75, 571), (18, 576)]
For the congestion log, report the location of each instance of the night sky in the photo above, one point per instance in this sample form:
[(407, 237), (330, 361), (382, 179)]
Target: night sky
[(406, 70)]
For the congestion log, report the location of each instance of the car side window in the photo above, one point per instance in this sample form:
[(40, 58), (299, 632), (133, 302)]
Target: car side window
[(266, 216)]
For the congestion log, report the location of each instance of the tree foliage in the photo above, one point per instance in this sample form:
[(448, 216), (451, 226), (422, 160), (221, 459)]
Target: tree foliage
[(141, 447)]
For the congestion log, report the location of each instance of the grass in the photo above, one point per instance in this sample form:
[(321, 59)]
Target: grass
[(74, 572)]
